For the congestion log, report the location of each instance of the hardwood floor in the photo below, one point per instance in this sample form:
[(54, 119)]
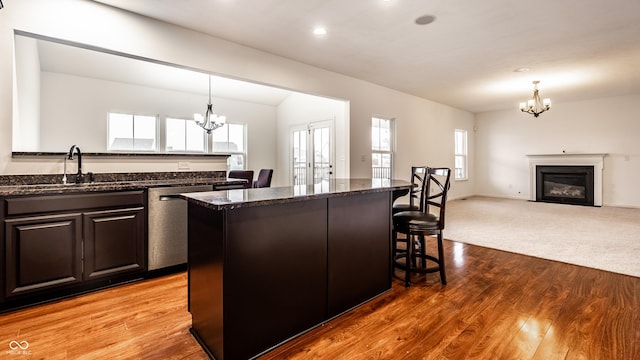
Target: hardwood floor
[(497, 305), (143, 320)]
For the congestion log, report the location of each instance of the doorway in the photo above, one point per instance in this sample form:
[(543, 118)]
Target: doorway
[(312, 153)]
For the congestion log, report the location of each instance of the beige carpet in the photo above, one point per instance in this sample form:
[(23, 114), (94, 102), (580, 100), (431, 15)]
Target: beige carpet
[(606, 238)]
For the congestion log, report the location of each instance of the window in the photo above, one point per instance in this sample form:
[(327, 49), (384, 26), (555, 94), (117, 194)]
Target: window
[(184, 135), (461, 154), (230, 139), (132, 132), (381, 148)]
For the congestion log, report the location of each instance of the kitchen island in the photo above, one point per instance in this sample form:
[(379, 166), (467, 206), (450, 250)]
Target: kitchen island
[(266, 265)]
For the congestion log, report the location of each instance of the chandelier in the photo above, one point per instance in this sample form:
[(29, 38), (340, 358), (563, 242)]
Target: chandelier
[(210, 121), (535, 106)]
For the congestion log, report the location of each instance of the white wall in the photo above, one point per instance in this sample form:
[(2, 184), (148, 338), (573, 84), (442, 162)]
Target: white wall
[(28, 104), (261, 121), (91, 23), (424, 135), (91, 99), (609, 125)]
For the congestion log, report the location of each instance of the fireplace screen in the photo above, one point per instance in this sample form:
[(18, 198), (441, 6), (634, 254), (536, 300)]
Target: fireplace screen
[(565, 184)]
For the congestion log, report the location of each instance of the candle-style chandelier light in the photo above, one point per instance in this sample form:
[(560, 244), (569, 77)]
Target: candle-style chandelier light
[(535, 106), (210, 121)]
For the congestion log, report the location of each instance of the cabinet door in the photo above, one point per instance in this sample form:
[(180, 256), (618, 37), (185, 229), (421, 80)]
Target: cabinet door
[(114, 242), (42, 252)]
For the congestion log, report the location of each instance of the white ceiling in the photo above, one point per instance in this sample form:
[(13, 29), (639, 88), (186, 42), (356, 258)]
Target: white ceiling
[(578, 49)]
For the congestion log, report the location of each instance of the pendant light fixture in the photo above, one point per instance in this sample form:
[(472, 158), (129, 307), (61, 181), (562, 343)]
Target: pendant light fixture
[(535, 106), (211, 120)]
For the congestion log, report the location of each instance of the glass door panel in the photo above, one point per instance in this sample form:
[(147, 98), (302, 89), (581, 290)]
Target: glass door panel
[(312, 153)]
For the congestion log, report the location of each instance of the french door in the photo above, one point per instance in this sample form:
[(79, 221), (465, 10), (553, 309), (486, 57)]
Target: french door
[(312, 153)]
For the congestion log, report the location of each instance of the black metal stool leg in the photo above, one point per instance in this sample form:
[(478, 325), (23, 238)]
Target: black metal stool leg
[(423, 251), (443, 276), (394, 245), (407, 271)]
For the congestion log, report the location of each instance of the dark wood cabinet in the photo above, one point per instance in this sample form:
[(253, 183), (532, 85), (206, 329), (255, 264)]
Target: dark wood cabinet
[(42, 252), (113, 242), (55, 245), (359, 250)]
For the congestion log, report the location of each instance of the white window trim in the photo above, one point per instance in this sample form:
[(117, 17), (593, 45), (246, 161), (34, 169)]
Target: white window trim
[(390, 152), (464, 155), (156, 148), (163, 127), (244, 154)]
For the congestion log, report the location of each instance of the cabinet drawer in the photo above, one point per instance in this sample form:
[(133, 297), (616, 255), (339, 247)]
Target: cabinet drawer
[(59, 203)]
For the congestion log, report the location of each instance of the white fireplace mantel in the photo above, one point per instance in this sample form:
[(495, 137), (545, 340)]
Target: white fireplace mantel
[(595, 160)]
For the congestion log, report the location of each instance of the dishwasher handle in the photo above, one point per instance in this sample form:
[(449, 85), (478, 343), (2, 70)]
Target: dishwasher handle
[(170, 197)]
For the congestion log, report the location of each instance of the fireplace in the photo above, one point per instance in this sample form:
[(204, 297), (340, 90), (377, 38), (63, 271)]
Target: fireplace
[(565, 184), (571, 178)]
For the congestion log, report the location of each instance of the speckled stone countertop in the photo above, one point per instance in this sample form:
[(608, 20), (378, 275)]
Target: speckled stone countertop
[(52, 184), (233, 199)]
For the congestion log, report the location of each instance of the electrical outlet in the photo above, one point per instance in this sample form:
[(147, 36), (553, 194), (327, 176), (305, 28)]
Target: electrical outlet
[(183, 165)]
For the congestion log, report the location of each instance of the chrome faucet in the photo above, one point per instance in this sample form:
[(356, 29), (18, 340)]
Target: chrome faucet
[(64, 172), (75, 148)]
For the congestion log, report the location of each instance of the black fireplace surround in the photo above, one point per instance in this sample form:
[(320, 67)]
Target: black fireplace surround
[(565, 184)]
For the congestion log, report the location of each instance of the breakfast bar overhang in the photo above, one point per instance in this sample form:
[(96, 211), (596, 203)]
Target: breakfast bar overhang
[(266, 265)]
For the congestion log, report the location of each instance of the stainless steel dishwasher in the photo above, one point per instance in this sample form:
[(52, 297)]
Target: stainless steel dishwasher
[(167, 229)]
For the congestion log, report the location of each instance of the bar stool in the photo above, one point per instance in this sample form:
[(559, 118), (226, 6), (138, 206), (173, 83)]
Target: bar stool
[(243, 174), (416, 198), (418, 225), (418, 175), (264, 178)]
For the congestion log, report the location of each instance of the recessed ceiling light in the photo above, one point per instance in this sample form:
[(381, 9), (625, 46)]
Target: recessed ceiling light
[(522, 69), (425, 19), (319, 31)]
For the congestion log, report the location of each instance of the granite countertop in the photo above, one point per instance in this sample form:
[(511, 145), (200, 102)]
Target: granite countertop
[(233, 199), (50, 184)]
